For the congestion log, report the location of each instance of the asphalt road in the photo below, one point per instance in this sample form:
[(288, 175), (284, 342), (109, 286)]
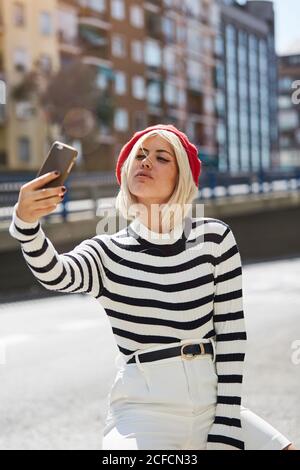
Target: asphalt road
[(57, 362)]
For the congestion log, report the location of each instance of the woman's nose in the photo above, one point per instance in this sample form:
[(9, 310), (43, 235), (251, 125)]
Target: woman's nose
[(146, 161)]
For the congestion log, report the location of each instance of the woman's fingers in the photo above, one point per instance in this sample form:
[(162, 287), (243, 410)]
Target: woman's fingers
[(47, 203), (46, 193), (35, 200), (40, 181)]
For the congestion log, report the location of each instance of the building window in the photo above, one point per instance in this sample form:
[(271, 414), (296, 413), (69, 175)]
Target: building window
[(138, 87), (288, 119), (24, 110), (154, 93), (137, 51), (194, 74), (209, 104), (285, 83), (139, 120), (19, 14), (194, 40), (219, 45), (67, 25), (221, 132), (152, 53), (220, 102), (118, 9), (220, 75), (118, 46), (169, 29), (97, 5), (120, 83), (285, 141), (45, 23), (169, 59), (45, 63), (121, 120), (170, 3), (137, 16), (104, 76), (153, 26), (24, 149), (170, 93), (182, 98), (181, 33), (191, 130), (21, 59), (284, 102), (193, 8)]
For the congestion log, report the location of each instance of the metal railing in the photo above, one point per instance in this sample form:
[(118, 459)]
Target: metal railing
[(89, 191), (215, 184)]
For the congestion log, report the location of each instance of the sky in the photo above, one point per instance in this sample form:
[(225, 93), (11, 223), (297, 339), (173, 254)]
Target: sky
[(287, 13), (287, 26)]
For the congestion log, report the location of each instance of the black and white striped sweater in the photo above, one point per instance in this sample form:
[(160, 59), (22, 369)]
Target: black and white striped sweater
[(159, 291)]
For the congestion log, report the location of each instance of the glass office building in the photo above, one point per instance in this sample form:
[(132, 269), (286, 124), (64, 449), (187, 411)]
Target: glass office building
[(246, 82)]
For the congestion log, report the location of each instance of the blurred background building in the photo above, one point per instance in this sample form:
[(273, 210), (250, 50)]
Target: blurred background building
[(92, 72), (154, 62), (289, 110), (27, 37), (246, 81)]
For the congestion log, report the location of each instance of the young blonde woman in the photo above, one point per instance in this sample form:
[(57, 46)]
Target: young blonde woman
[(171, 286)]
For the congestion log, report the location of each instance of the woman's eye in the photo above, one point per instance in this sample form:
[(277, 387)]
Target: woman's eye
[(159, 158)]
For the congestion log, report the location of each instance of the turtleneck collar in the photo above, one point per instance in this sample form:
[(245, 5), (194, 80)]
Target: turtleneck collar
[(155, 237), (164, 244)]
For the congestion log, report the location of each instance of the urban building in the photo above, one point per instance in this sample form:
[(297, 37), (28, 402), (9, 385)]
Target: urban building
[(27, 39), (289, 110), (246, 84), (154, 58)]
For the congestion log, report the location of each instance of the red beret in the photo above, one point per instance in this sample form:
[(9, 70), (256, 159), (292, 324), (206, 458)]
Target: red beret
[(191, 150)]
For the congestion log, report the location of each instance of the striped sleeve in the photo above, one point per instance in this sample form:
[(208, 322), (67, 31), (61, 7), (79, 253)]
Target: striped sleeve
[(78, 271), (226, 432)]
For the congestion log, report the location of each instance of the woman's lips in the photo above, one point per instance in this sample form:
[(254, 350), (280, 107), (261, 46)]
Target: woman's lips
[(143, 176)]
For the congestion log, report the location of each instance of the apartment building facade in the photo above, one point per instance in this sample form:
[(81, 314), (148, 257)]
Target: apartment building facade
[(154, 58), (27, 40)]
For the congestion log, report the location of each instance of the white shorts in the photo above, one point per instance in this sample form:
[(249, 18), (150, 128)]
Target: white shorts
[(170, 404)]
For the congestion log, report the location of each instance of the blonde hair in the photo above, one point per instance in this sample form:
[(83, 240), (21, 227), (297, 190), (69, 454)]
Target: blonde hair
[(184, 192)]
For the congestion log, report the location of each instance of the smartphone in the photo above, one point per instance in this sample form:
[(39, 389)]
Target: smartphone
[(61, 157)]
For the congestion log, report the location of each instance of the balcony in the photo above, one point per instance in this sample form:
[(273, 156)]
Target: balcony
[(86, 9), (153, 5), (195, 102), (94, 41), (68, 44), (153, 25)]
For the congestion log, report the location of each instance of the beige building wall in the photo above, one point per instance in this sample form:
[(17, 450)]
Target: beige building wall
[(28, 37)]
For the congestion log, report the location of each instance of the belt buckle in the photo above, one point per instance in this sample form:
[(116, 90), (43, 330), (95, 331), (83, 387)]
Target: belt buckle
[(191, 356), (186, 356)]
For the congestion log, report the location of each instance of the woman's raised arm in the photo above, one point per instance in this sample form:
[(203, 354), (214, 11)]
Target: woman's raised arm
[(79, 271)]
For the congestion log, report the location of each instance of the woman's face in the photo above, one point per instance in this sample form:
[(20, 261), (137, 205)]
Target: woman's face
[(157, 159)]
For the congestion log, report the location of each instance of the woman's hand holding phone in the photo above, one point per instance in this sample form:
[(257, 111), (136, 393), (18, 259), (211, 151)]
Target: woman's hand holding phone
[(35, 201)]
